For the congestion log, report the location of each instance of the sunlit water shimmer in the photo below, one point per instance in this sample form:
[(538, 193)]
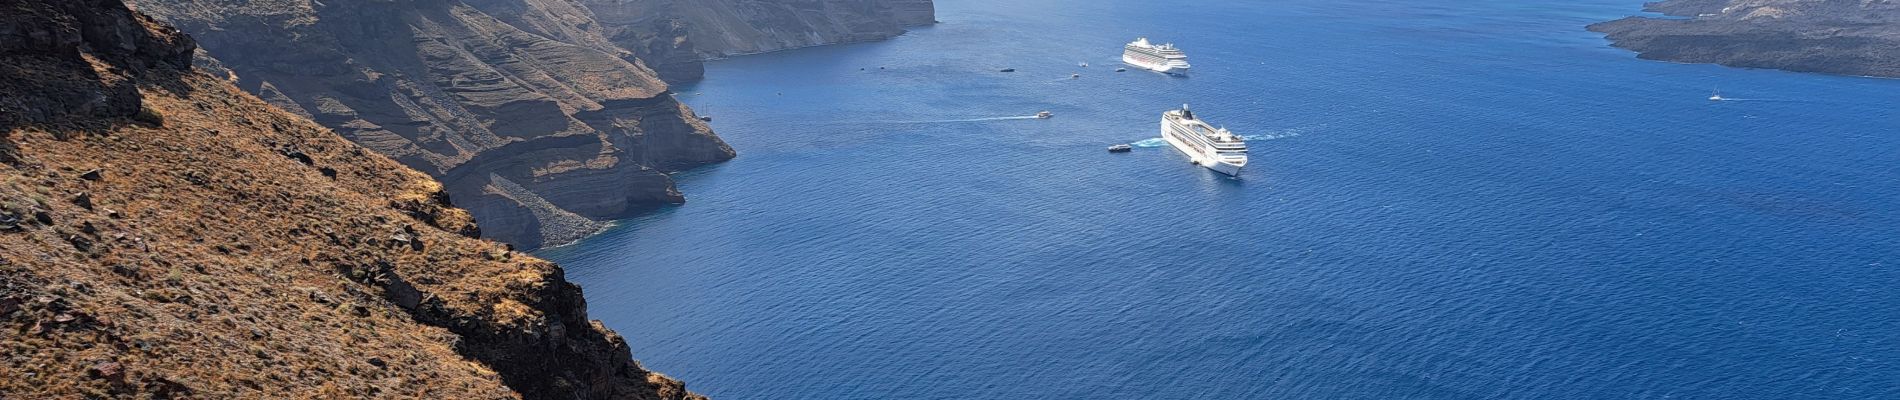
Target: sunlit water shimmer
[(1447, 199)]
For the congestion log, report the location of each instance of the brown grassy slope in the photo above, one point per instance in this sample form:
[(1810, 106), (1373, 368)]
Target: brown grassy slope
[(164, 234)]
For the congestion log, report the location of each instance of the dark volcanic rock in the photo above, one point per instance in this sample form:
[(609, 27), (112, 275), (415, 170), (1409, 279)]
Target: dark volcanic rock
[(1827, 36), (54, 32)]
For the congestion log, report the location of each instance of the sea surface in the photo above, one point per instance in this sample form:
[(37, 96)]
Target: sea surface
[(1448, 199)]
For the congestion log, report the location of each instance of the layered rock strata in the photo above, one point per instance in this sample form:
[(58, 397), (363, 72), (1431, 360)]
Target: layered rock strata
[(535, 122), (676, 36)]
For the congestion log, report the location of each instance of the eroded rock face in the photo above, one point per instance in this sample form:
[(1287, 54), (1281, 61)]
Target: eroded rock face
[(179, 238), (1855, 37), (59, 32), (675, 36), (502, 100)]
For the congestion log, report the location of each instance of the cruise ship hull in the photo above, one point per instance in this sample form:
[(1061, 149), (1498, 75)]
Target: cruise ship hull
[(1197, 157), (1165, 69), (1224, 168)]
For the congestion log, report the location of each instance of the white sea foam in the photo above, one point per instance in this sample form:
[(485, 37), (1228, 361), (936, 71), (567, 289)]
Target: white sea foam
[(950, 121), (1149, 143), (1159, 142), (1270, 136)]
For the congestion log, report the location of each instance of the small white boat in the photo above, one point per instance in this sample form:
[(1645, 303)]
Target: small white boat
[(1121, 148), (1045, 115), (1075, 76), (1717, 96), (1084, 65)]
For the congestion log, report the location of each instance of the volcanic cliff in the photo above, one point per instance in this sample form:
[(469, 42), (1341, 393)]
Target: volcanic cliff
[(540, 116), (534, 122), (675, 37), (163, 234), (1849, 37)]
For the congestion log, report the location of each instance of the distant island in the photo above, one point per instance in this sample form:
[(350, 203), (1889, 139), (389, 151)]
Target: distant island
[(1859, 38)]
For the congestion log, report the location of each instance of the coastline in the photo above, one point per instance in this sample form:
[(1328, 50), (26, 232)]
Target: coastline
[(1806, 36), (709, 58)]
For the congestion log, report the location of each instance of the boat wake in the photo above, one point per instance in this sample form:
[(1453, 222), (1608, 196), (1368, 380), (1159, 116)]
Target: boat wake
[(1159, 142), (1149, 143), (952, 121), (1724, 99), (1256, 138)]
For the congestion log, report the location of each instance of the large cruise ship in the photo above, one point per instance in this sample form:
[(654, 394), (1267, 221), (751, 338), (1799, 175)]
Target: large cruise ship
[(1214, 148), (1162, 58)]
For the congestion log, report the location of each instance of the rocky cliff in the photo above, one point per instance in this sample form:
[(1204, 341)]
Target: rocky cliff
[(1850, 37), (676, 36), (163, 234), (534, 121)]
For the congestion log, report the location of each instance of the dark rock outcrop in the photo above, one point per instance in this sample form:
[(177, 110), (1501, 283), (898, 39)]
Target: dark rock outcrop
[(676, 36), (1855, 37), (235, 250), (509, 102), (65, 34)]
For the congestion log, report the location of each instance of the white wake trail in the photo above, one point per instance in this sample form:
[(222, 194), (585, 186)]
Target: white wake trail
[(952, 121), (1159, 142)]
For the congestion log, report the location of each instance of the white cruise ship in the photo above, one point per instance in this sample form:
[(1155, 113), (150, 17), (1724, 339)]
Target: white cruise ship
[(1214, 148), (1160, 58)]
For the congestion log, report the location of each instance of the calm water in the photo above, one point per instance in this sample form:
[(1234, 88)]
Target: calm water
[(1448, 199)]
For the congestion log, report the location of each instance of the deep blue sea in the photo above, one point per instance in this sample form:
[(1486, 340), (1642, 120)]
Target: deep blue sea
[(1448, 199)]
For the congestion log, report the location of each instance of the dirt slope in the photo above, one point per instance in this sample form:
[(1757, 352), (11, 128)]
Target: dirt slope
[(163, 234)]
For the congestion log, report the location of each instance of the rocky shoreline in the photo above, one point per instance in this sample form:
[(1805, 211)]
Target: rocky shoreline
[(1833, 37)]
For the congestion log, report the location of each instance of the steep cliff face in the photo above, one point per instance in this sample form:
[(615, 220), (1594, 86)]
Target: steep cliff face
[(511, 103), (1855, 37), (675, 36), (164, 235)]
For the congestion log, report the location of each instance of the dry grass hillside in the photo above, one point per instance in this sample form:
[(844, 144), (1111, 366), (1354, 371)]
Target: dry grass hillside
[(163, 234)]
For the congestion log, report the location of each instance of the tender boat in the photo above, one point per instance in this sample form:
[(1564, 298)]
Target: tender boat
[(1121, 70), (1075, 76), (1045, 115), (1007, 70), (1121, 148)]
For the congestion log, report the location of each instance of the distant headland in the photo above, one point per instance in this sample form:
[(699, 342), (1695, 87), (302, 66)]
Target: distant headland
[(1834, 37)]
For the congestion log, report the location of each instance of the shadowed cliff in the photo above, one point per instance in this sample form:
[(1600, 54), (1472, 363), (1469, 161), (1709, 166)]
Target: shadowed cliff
[(1828, 36), (165, 235), (536, 123), (675, 37)]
